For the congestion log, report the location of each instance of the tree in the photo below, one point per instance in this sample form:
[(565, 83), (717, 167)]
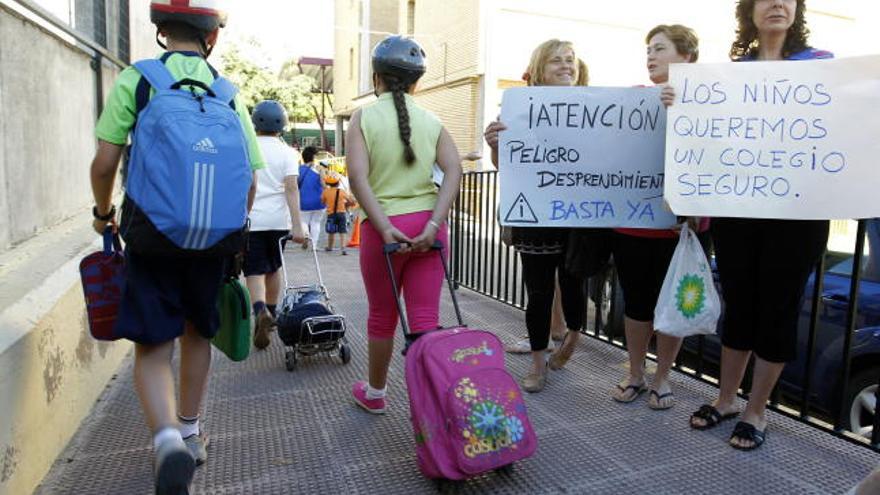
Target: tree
[(253, 82), (319, 103), (297, 92)]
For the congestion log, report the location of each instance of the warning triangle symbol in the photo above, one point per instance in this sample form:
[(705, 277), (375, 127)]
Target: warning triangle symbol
[(521, 211)]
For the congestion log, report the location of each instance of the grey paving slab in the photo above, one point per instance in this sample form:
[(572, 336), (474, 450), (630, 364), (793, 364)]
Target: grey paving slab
[(273, 431)]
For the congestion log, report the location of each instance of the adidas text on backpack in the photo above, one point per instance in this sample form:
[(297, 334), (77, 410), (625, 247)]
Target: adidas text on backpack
[(188, 176)]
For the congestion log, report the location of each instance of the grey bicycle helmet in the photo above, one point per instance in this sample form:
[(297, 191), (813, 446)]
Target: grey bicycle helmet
[(401, 57), (269, 116)]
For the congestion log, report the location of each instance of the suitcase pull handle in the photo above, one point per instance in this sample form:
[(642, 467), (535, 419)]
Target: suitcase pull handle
[(395, 246), (409, 337)]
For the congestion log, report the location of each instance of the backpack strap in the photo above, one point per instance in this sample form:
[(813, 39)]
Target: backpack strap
[(142, 92), (155, 72), (336, 203), (224, 89)]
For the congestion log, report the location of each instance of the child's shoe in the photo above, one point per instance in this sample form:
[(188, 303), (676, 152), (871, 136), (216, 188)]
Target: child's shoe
[(174, 467), (373, 406), (262, 327)]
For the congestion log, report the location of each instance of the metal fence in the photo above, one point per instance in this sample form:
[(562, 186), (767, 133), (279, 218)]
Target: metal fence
[(833, 384)]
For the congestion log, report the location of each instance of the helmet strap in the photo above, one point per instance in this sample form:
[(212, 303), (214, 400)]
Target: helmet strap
[(206, 50), (158, 41)]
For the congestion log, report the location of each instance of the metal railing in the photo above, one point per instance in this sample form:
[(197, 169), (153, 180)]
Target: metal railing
[(818, 389)]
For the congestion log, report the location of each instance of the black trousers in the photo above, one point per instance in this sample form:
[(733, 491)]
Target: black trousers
[(764, 266), (539, 275)]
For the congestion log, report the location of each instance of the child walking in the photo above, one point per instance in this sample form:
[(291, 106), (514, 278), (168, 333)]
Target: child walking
[(338, 202), (391, 179), (275, 214), (171, 297)]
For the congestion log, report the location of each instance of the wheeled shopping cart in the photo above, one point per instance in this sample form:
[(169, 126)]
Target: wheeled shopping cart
[(306, 321)]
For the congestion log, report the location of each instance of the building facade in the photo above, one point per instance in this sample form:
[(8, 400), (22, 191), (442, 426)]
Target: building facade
[(450, 34), (478, 48)]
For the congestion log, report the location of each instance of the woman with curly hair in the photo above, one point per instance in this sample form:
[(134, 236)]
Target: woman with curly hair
[(763, 263)]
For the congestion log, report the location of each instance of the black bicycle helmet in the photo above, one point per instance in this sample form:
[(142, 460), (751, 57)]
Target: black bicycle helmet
[(401, 57)]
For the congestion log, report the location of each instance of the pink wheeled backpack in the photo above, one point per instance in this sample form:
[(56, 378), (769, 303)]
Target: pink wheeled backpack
[(467, 412)]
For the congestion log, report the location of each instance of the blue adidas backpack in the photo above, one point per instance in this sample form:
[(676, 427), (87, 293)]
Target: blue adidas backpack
[(188, 174)]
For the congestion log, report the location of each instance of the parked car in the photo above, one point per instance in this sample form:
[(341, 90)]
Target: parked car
[(827, 360)]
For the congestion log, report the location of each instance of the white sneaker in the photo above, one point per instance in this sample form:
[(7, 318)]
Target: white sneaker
[(174, 465), (525, 347)]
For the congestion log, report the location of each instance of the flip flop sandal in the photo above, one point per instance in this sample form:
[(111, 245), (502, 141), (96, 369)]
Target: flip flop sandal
[(711, 416), (657, 398), (638, 389), (748, 432)]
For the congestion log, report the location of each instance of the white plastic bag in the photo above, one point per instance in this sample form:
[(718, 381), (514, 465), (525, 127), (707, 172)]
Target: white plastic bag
[(688, 303)]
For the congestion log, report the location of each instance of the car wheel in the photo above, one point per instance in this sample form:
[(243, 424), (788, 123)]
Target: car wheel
[(862, 399), (606, 293)]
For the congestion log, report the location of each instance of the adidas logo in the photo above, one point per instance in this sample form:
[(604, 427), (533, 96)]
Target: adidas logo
[(205, 146)]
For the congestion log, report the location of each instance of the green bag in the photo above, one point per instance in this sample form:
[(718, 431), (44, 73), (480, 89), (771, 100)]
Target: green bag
[(234, 305)]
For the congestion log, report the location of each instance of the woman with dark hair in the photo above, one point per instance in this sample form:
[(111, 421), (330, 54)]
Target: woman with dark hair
[(763, 263), (392, 145), (642, 256)]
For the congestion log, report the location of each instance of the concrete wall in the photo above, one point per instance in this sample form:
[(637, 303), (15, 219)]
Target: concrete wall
[(45, 158), (51, 370)]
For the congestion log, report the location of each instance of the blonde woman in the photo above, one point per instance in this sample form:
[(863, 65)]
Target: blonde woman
[(542, 249)]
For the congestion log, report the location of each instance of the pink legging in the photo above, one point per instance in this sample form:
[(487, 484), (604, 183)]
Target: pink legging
[(419, 276)]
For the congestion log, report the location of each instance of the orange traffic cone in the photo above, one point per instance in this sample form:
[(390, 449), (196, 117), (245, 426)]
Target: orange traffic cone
[(355, 240)]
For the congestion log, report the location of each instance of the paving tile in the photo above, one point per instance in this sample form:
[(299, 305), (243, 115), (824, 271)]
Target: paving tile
[(275, 431)]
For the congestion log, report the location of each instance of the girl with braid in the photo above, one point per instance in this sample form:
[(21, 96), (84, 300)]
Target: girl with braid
[(392, 145)]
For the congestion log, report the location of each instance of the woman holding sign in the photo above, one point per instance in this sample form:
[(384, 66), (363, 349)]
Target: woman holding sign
[(642, 256), (763, 263), (542, 250)]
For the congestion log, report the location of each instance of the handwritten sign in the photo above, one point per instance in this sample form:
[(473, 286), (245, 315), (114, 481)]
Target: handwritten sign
[(583, 157), (797, 140)]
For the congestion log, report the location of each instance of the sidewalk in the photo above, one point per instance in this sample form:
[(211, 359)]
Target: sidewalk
[(278, 432)]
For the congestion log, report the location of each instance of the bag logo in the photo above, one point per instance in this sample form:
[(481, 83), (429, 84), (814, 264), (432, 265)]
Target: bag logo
[(205, 146), (459, 355), (489, 425), (690, 296)]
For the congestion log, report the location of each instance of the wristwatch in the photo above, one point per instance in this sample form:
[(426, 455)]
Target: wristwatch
[(106, 217)]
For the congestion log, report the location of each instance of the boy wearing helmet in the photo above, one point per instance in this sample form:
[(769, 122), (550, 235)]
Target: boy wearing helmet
[(275, 206), (168, 298), (391, 147)]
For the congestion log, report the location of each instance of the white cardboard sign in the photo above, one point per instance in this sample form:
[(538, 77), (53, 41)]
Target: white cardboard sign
[(582, 157), (789, 139)]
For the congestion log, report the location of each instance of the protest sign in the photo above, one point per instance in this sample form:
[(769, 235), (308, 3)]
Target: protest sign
[(795, 140), (582, 157)]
